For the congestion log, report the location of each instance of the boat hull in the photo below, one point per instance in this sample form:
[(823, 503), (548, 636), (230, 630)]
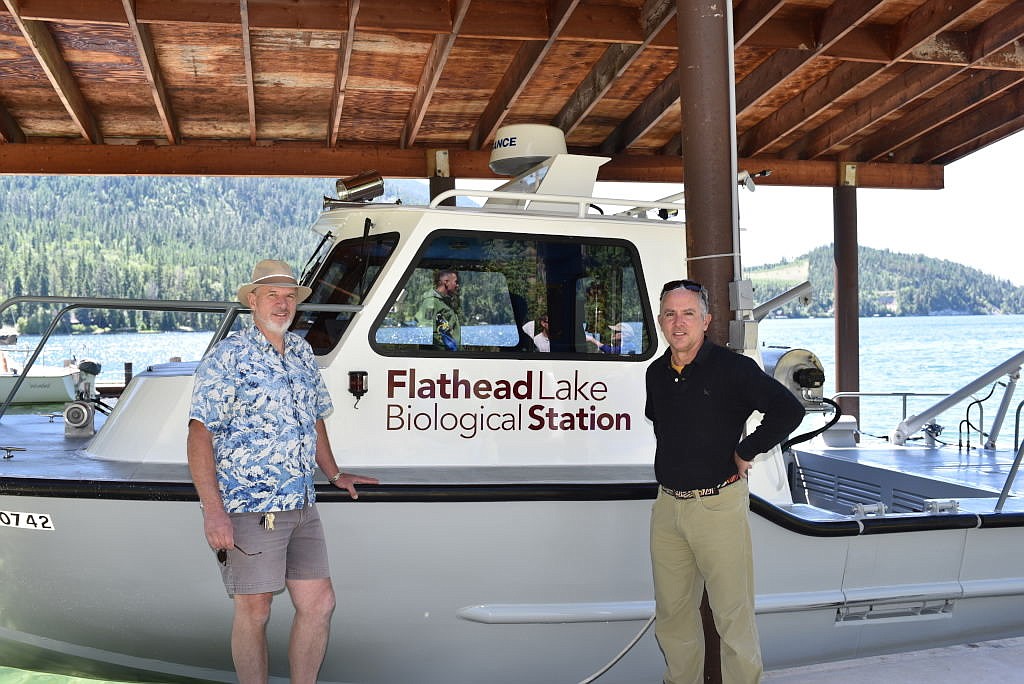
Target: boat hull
[(475, 583), (403, 572), (41, 386)]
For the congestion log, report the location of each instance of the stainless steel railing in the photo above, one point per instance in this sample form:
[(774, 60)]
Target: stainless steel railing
[(229, 310)]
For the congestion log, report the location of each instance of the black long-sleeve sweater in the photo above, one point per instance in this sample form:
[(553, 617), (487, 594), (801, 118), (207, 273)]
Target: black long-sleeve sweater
[(700, 413)]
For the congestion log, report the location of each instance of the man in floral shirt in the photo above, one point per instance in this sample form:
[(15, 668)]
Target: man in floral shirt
[(256, 437)]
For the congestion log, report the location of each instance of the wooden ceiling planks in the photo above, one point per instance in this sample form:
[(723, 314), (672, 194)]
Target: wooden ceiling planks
[(875, 82)]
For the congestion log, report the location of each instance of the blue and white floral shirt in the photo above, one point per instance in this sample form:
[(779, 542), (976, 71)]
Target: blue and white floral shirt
[(261, 409)]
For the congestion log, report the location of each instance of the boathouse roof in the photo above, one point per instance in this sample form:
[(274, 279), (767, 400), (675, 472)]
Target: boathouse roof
[(335, 87)]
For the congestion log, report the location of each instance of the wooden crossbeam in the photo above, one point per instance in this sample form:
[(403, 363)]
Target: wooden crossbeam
[(147, 55), (45, 49)]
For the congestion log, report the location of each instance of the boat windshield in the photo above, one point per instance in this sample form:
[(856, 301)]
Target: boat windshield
[(345, 277), (520, 294)]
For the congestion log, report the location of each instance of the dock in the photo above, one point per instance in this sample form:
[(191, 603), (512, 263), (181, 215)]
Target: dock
[(986, 662)]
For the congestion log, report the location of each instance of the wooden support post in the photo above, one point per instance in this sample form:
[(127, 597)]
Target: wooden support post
[(847, 284)]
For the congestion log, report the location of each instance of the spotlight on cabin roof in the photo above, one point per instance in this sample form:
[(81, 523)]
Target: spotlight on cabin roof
[(520, 147)]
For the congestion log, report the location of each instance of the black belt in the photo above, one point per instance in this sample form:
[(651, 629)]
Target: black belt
[(707, 491)]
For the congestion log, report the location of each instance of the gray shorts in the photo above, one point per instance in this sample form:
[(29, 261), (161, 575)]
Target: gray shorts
[(294, 550)]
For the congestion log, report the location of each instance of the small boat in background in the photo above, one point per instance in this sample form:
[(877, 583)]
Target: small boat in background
[(42, 384), (8, 335)]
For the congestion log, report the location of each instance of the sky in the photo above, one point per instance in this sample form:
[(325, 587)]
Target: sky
[(974, 220)]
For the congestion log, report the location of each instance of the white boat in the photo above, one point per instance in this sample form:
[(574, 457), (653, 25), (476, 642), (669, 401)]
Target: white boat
[(41, 385), (508, 539)]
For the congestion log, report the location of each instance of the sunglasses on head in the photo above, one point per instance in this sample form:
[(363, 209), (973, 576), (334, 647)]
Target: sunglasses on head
[(684, 284)]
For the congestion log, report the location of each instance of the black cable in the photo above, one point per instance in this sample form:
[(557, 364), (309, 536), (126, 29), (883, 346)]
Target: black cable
[(814, 433)]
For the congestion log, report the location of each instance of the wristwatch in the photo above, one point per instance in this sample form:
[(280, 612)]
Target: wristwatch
[(335, 478)]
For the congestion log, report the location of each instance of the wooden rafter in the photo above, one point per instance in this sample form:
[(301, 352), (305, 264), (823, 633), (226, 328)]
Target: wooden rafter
[(10, 131), (656, 105), (438, 57), (654, 16), (835, 24), (751, 15), (899, 139), (818, 80), (250, 83), (1001, 114), (1002, 30), (807, 105), (57, 72), (524, 65), (341, 74), (147, 55), (929, 20)]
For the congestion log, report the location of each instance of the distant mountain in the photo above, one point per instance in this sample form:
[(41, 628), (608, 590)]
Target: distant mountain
[(891, 284), (154, 237)]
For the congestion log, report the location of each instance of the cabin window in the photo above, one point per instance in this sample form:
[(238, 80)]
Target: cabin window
[(584, 293), (345, 277)]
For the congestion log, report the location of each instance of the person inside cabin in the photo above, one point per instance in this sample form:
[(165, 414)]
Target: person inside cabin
[(256, 435), (699, 397), (542, 339), (621, 334), (440, 309)]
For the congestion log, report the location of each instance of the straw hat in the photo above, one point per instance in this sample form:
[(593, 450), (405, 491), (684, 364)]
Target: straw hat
[(272, 272)]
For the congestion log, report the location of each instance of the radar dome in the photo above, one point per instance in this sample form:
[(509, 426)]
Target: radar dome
[(520, 147)]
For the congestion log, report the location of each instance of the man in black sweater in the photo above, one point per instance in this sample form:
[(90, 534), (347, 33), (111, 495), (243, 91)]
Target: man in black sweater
[(699, 397)]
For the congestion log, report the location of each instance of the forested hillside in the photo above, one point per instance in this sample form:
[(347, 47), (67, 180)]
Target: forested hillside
[(891, 284), (198, 238), (151, 237)]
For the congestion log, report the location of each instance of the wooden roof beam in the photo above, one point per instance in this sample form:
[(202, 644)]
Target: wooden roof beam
[(835, 23), (10, 131), (1001, 31), (280, 14), (57, 72), (807, 104), (750, 16), (988, 122), (998, 133), (436, 60), (655, 106), (304, 160), (910, 85), (147, 55), (902, 134), (928, 20), (654, 16), (341, 75), (250, 88), (525, 63)]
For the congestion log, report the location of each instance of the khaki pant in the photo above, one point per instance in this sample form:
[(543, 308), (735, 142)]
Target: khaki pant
[(705, 541)]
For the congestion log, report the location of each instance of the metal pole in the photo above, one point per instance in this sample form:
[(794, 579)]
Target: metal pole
[(707, 98)]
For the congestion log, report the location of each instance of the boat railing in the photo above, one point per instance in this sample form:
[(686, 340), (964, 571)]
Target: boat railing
[(902, 396), (229, 310), (635, 208)]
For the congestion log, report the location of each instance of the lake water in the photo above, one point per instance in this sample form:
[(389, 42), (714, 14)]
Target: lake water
[(925, 354)]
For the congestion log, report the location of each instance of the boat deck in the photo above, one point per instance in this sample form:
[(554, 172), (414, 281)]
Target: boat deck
[(904, 477), (987, 662), (49, 454)]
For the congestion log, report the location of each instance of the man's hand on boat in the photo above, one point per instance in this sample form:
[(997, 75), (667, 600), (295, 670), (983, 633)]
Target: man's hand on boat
[(348, 481)]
